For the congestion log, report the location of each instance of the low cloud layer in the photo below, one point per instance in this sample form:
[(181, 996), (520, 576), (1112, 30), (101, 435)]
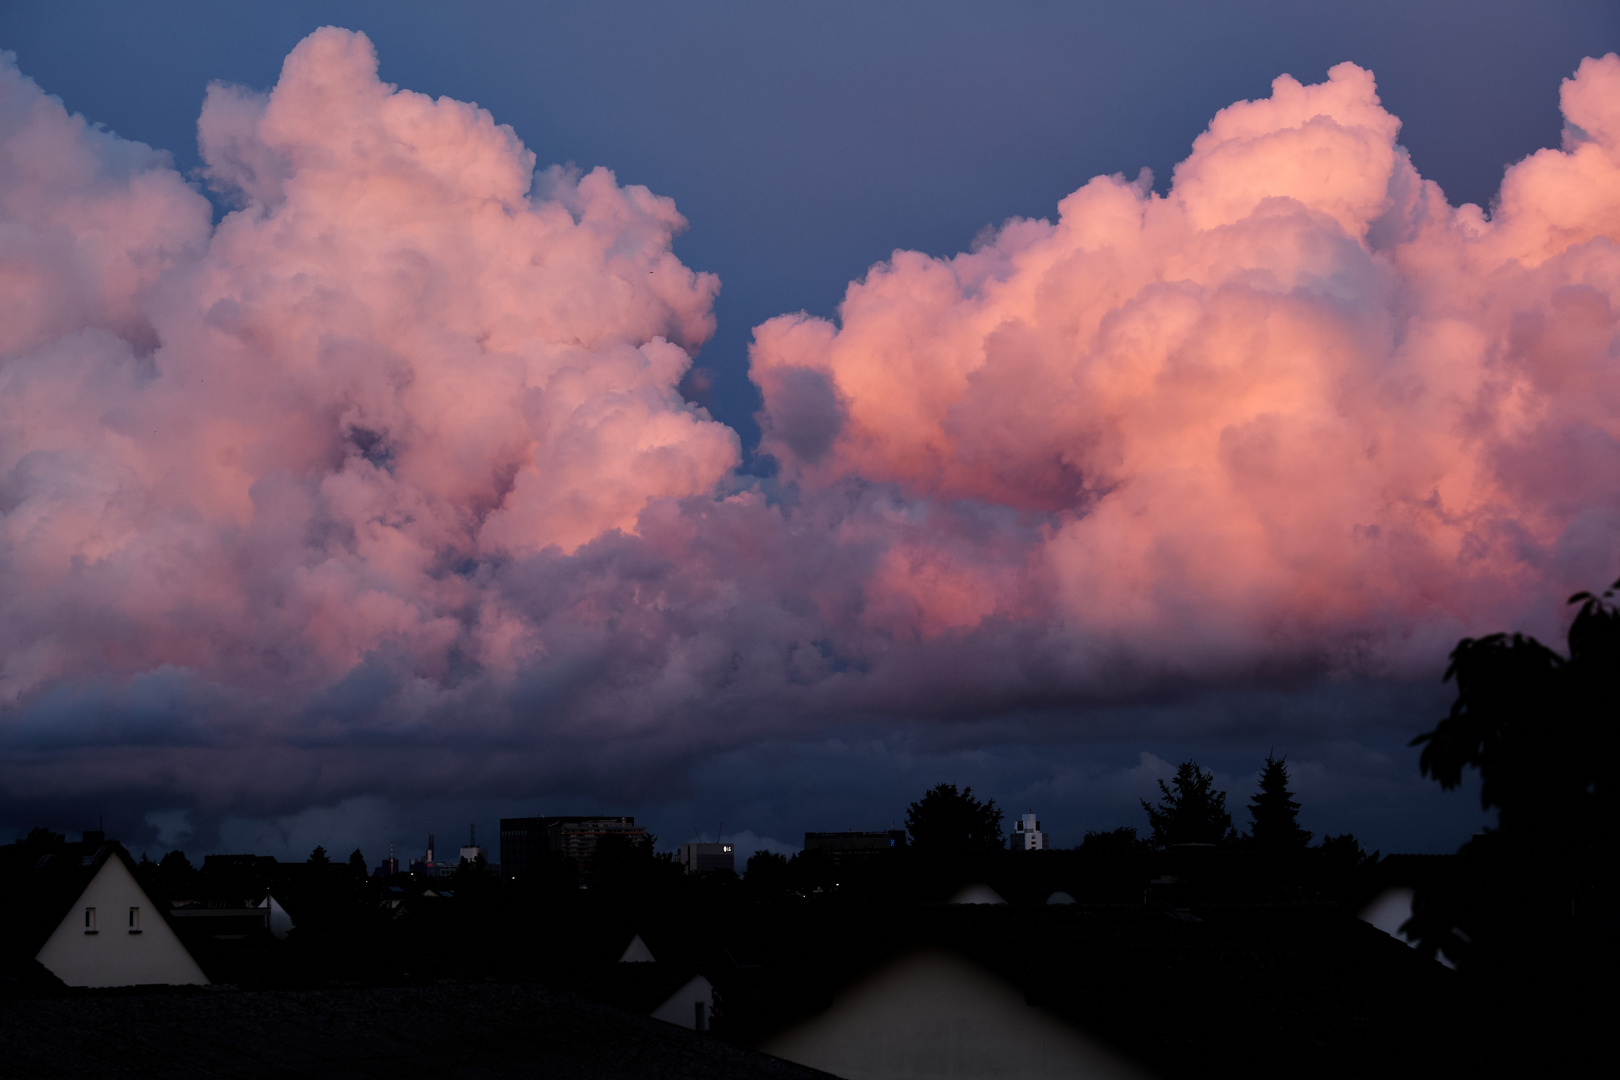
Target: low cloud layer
[(383, 486)]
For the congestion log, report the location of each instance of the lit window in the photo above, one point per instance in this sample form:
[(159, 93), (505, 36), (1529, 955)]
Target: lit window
[(89, 920), (134, 920)]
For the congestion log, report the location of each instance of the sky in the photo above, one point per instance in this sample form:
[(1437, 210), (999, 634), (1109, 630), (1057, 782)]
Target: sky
[(747, 417)]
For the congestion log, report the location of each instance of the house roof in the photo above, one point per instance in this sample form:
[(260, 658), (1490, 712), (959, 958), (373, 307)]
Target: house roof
[(502, 1030), (1166, 990), (638, 988), (43, 882)]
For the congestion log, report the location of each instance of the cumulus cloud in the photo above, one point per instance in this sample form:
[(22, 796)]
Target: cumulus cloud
[(266, 452), (1298, 406), (385, 484)]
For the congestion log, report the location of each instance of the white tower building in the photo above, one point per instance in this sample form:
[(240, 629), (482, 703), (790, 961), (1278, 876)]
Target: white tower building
[(1027, 835)]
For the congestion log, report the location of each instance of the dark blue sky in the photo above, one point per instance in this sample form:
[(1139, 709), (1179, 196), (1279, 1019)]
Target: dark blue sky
[(804, 143)]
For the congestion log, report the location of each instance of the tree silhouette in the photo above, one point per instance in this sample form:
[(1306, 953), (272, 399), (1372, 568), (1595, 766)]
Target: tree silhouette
[(767, 874), (318, 857), (1194, 813), (1274, 814), (357, 863), (1540, 730), (173, 874), (947, 821)]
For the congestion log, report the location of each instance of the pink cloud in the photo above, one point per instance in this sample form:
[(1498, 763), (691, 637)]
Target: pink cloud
[(395, 452), (1297, 405), (259, 453)]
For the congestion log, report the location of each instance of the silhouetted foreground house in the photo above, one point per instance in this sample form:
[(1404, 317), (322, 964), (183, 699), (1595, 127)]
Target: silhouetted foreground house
[(503, 1030), (985, 990), (79, 911), (931, 1013), (674, 992)]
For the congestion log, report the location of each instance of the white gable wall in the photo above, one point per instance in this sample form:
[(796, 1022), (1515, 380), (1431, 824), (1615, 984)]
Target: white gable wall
[(932, 1015), (682, 1006), (113, 956), (280, 921), (637, 952)]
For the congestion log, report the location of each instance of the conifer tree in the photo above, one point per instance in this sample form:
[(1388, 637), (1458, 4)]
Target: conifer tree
[(1274, 813), (1194, 813)]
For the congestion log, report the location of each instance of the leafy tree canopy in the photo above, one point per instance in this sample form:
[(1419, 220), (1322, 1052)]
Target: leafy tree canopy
[(766, 862), (1274, 815), (1540, 729), (1193, 813), (945, 820), (175, 862), (768, 874)]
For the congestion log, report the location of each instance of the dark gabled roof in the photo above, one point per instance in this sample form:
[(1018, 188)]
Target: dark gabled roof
[(1168, 990), (638, 988), (41, 884), (502, 1030), (1122, 878)]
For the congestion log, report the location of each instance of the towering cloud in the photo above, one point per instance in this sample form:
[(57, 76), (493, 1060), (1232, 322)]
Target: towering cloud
[(390, 464), (1297, 407), (265, 453)]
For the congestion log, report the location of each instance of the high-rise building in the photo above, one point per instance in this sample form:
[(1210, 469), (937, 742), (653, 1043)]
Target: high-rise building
[(471, 851), (524, 839), (854, 846), (389, 866), (428, 866), (697, 857), (1027, 835)]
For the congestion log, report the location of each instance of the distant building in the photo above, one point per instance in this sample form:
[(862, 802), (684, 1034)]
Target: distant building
[(698, 857), (258, 866), (1027, 835), (471, 851), (854, 846), (389, 866), (80, 911), (428, 866), (523, 840)]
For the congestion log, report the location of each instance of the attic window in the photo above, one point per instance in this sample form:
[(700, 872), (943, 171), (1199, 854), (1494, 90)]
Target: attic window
[(134, 920), (89, 920)]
